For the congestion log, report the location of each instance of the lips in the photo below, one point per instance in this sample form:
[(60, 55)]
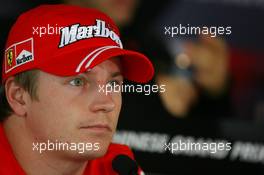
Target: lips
[(98, 127)]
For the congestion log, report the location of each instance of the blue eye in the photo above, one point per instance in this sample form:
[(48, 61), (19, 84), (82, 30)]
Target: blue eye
[(114, 83), (77, 82)]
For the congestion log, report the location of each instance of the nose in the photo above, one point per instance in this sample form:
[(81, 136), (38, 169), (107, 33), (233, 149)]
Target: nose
[(103, 103)]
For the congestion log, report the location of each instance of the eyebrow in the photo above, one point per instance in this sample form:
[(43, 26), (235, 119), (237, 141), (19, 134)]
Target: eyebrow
[(113, 75), (116, 74)]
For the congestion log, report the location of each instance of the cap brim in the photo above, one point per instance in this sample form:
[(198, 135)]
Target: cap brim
[(135, 66)]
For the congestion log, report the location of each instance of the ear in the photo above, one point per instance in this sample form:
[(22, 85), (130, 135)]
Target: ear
[(15, 96)]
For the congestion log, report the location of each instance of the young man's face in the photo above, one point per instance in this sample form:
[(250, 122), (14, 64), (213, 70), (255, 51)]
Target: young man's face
[(75, 110)]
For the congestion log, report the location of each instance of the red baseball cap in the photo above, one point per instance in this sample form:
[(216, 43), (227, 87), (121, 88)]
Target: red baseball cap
[(67, 40)]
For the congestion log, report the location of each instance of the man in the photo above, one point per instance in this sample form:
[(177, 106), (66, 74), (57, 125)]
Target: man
[(56, 117)]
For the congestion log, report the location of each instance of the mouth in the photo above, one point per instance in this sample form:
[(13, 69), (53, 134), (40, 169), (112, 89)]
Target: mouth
[(97, 128)]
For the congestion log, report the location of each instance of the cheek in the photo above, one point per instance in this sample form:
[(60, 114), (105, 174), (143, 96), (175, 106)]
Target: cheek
[(118, 103), (52, 118)]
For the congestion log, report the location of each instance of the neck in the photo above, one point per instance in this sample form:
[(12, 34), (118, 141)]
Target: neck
[(32, 162)]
